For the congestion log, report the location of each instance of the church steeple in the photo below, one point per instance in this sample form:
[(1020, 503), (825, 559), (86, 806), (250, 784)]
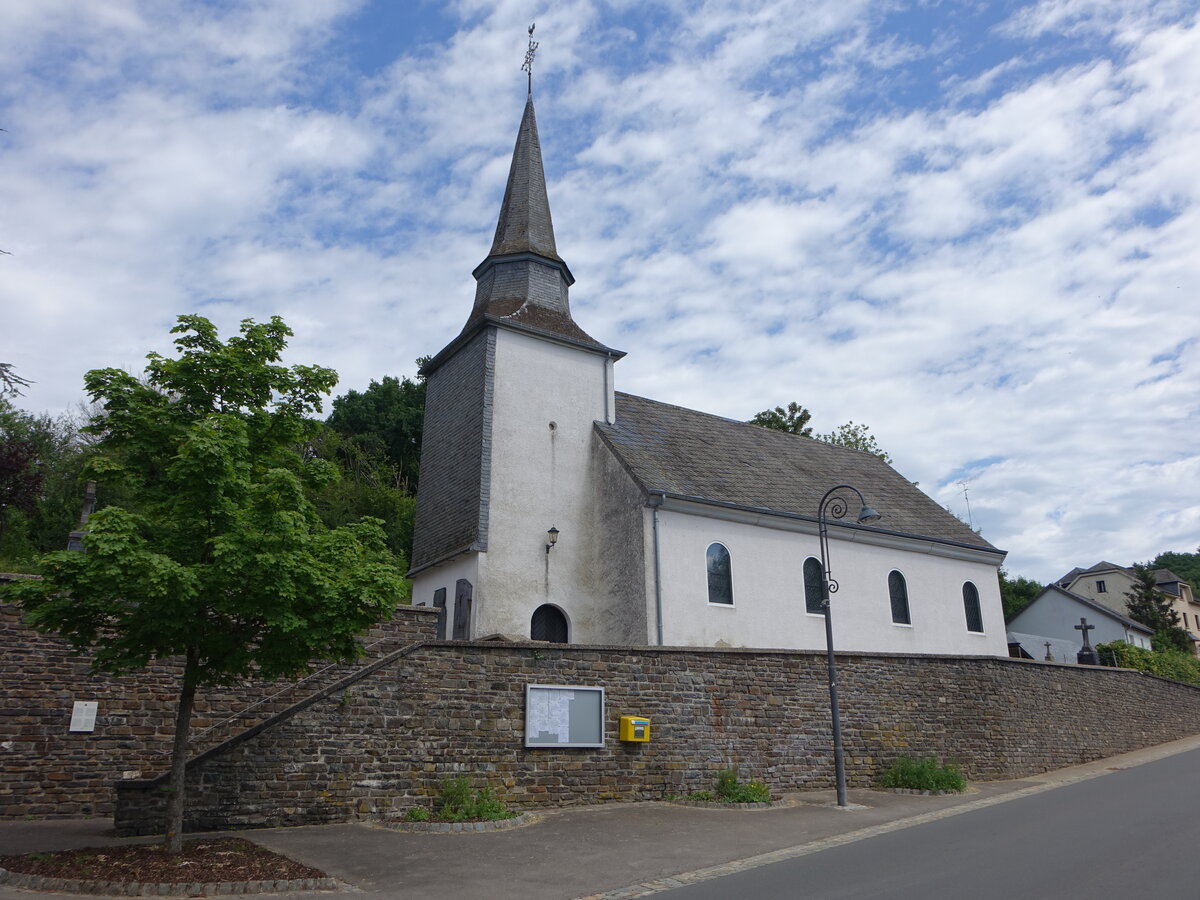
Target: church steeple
[(523, 282), (525, 225), (523, 266)]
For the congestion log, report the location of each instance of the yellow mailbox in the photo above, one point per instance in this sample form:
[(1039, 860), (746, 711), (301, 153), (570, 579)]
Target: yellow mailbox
[(635, 728)]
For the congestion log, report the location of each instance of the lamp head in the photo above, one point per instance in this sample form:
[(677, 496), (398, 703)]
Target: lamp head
[(867, 515)]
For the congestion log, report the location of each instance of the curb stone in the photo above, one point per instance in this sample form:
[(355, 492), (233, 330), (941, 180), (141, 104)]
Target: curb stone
[(177, 889), (921, 793), (717, 804), (457, 827)]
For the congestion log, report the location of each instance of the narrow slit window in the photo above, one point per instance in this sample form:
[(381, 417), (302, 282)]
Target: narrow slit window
[(898, 592), (720, 575), (813, 578), (971, 608)]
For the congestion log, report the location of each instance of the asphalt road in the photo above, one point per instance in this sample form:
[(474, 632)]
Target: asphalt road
[(1134, 835)]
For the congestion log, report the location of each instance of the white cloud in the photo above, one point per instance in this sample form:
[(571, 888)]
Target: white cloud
[(761, 201)]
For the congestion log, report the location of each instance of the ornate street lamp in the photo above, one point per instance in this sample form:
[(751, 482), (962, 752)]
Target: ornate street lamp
[(834, 506)]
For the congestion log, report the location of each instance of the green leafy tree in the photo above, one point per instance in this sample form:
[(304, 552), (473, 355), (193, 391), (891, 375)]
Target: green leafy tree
[(41, 492), (21, 475), (370, 485), (219, 558), (793, 419), (385, 418), (1017, 593), (1150, 606), (856, 437), (10, 381)]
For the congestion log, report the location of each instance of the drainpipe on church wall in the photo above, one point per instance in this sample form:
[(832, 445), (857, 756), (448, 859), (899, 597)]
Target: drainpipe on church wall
[(655, 503), (610, 410)]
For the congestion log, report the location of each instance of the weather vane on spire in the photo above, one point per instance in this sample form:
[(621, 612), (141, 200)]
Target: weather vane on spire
[(527, 66)]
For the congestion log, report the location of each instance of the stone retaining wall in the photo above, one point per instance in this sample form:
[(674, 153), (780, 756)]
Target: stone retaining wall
[(46, 771), (385, 742)]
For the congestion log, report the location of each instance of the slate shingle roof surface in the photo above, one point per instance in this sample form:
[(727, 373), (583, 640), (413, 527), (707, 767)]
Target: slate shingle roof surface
[(525, 224), (687, 453), (533, 318)]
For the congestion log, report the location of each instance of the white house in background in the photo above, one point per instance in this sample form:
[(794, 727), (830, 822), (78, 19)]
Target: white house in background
[(1052, 618), (1107, 584), (552, 506)]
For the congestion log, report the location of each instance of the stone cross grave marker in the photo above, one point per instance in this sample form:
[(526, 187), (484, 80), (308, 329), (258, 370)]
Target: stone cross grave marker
[(1087, 655)]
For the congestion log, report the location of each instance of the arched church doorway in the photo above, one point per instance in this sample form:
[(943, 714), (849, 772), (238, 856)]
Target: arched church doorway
[(548, 624)]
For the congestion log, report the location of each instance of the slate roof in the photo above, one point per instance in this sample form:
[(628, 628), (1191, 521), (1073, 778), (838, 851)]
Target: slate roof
[(1167, 581), (1164, 579), (689, 454), (1102, 566), (525, 225), (533, 318)]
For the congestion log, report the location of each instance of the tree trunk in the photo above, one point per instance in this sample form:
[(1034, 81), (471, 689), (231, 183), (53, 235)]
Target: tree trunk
[(183, 722)]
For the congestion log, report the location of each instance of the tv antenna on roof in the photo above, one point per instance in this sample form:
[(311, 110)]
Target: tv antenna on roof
[(967, 497), (527, 66)]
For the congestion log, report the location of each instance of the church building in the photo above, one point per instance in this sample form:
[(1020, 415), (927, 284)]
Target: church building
[(552, 506)]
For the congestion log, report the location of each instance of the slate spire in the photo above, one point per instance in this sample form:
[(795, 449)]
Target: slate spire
[(525, 225), (523, 282)]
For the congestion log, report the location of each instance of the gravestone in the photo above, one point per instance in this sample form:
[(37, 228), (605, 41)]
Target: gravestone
[(439, 603), (462, 610), (1087, 654)]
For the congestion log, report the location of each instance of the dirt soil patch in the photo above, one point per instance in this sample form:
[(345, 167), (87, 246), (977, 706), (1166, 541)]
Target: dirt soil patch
[(206, 860)]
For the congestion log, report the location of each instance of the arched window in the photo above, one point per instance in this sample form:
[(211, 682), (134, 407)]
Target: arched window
[(971, 607), (548, 624), (898, 591), (813, 578), (720, 575)]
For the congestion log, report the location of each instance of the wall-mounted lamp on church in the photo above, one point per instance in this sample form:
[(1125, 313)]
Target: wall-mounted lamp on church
[(551, 538)]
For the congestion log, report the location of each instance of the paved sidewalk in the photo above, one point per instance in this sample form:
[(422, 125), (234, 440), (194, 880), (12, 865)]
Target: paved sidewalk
[(611, 851)]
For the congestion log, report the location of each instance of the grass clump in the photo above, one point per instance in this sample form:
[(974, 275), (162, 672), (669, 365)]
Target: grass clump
[(924, 774), (730, 790), (458, 803), (417, 814)]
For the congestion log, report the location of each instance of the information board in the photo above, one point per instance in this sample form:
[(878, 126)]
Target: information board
[(558, 715), (83, 715)]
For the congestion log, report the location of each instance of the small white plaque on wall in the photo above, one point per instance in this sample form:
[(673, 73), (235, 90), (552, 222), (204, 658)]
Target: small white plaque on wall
[(83, 715)]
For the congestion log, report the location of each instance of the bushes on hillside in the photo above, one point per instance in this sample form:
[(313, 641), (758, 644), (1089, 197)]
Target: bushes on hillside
[(1165, 663)]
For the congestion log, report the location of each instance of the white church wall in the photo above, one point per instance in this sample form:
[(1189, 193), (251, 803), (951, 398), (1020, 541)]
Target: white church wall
[(546, 398), (769, 611)]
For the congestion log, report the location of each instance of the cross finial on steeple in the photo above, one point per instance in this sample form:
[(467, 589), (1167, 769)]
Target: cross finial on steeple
[(527, 66)]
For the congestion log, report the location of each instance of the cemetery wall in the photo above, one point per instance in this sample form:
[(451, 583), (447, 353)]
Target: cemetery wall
[(384, 743), (46, 771)]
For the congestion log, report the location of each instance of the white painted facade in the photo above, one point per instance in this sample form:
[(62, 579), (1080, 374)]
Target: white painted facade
[(767, 556), (544, 472), (546, 397)]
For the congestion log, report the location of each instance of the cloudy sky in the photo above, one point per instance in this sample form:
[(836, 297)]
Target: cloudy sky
[(973, 226)]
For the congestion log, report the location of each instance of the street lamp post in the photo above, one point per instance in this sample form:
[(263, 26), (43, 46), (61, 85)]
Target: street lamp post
[(834, 506)]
